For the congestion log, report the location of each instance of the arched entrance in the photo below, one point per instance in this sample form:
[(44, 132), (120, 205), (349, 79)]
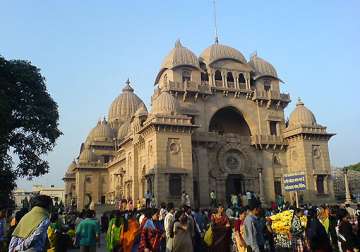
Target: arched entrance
[(229, 120), (235, 184)]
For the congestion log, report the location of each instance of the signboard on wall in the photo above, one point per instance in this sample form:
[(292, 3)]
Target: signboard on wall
[(294, 182)]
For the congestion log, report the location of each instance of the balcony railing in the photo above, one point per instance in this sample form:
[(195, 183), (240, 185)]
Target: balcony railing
[(270, 95), (267, 139)]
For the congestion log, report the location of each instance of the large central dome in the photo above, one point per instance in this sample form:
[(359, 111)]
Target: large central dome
[(218, 52), (124, 106)]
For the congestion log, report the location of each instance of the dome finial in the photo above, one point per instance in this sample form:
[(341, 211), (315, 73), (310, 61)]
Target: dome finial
[(178, 43), (215, 24), (127, 87), (299, 102)]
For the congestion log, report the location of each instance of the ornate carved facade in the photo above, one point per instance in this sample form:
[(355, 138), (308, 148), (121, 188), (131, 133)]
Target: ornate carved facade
[(216, 123)]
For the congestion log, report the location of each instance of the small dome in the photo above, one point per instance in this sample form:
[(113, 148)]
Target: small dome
[(262, 68), (71, 168), (165, 103), (125, 105), (123, 130), (218, 52), (302, 116), (180, 56), (141, 111), (70, 172), (87, 155), (101, 132)]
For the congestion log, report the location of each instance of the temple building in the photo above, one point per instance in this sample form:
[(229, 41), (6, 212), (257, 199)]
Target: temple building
[(216, 122)]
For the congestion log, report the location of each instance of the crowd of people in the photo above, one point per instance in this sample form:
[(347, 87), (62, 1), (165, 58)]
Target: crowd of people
[(144, 228)]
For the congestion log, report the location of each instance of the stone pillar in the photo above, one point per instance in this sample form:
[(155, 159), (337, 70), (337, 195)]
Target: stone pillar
[(347, 189), (224, 81), (204, 185), (236, 79), (261, 185)]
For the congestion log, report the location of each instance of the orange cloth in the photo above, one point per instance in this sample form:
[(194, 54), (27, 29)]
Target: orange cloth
[(129, 236)]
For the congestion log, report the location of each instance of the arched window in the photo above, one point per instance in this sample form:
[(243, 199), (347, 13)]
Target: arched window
[(218, 79), (241, 78), (320, 184), (186, 75), (230, 80), (267, 84), (175, 185), (204, 76), (165, 78)]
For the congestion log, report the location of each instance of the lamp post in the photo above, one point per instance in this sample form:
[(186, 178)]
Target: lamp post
[(347, 189)]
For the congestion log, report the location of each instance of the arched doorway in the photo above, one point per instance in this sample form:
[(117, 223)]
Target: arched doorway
[(229, 120), (235, 184)]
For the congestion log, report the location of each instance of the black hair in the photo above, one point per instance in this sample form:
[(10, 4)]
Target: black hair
[(170, 206), (178, 215), (342, 213), (163, 205), (54, 217), (43, 201), (149, 212), (253, 205), (298, 210), (90, 214), (242, 210)]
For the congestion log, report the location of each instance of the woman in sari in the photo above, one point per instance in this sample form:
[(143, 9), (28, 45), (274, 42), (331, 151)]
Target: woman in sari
[(316, 237), (221, 231), (131, 231), (182, 233), (150, 235), (239, 232), (113, 234)]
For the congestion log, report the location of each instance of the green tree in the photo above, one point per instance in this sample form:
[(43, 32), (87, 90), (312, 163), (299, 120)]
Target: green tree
[(28, 123), (355, 167)]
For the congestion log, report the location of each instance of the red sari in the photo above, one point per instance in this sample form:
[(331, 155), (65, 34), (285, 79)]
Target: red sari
[(150, 236), (221, 233)]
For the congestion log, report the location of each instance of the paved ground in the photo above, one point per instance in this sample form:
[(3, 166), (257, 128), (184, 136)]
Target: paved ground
[(101, 249)]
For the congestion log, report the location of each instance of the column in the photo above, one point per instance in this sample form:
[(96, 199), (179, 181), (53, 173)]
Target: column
[(236, 79), (347, 189), (261, 185), (224, 81)]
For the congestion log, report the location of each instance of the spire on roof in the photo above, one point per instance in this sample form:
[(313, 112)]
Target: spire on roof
[(215, 24), (178, 43), (127, 87), (299, 103)]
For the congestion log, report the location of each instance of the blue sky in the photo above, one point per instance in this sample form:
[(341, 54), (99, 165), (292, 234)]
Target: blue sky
[(87, 49)]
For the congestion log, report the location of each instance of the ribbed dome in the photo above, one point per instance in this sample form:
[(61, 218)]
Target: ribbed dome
[(218, 52), (301, 116), (125, 105), (71, 168), (180, 56), (262, 67), (101, 132), (87, 155), (70, 172), (165, 103), (141, 111), (123, 130)]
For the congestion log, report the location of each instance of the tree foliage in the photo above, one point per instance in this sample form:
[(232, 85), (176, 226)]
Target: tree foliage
[(28, 122), (355, 167)]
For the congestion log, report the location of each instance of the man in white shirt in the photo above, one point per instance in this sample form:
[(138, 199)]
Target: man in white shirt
[(168, 226), (147, 198)]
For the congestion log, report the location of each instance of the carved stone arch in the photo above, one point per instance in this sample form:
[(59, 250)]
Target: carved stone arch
[(249, 118)]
